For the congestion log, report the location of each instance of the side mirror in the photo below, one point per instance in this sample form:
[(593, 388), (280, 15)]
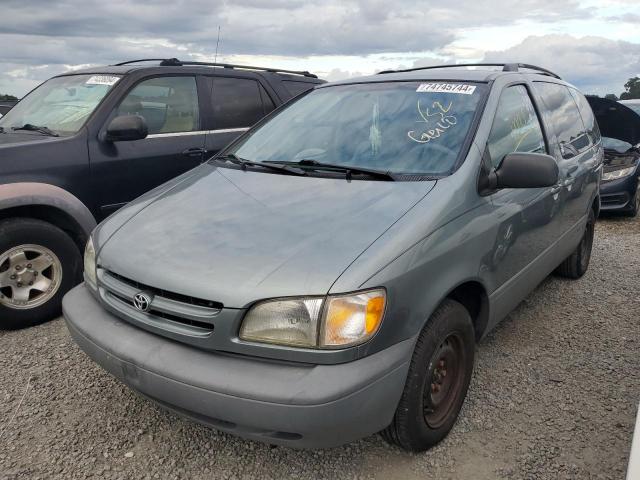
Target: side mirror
[(526, 170), (127, 128)]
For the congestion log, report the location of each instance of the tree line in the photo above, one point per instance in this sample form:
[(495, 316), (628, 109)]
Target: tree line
[(631, 90)]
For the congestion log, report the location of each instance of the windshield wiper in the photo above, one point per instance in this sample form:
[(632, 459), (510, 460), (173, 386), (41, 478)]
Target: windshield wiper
[(348, 169), (230, 157), (36, 128)]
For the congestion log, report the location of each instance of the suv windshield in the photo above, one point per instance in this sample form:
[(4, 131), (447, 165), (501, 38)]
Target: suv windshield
[(397, 127), (61, 104)]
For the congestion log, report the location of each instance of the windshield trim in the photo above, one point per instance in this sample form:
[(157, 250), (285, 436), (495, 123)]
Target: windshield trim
[(95, 109), (400, 176)]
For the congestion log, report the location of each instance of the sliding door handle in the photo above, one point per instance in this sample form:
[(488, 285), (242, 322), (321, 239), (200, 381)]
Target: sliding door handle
[(193, 152)]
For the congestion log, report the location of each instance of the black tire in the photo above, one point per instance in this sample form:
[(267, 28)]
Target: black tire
[(576, 264), (635, 206), (419, 422), (15, 232)]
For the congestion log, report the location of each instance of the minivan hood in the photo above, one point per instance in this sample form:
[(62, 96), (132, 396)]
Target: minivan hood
[(616, 120), (236, 236)]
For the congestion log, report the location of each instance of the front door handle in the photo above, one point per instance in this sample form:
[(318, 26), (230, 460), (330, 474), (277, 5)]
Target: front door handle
[(193, 152)]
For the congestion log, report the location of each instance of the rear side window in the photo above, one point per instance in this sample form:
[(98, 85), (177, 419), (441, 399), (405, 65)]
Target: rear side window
[(238, 102), (168, 104), (588, 118), (563, 117), (516, 127), (296, 88)]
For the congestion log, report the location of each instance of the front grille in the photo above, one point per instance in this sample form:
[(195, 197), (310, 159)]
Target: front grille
[(163, 293), (169, 311)]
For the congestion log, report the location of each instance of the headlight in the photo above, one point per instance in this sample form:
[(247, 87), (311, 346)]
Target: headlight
[(615, 174), (316, 322), (90, 264)]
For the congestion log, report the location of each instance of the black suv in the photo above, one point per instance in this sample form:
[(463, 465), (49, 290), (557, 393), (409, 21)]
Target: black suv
[(83, 144)]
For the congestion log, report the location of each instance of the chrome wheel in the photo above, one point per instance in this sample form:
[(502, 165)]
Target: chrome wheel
[(29, 276)]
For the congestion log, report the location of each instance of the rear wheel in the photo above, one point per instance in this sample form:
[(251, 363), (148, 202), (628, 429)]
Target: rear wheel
[(438, 380), (39, 263), (576, 264)]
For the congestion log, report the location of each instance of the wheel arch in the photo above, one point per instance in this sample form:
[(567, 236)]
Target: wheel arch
[(473, 296), (48, 203)]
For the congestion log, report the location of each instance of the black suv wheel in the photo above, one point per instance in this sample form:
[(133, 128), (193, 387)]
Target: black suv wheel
[(39, 263), (438, 380)]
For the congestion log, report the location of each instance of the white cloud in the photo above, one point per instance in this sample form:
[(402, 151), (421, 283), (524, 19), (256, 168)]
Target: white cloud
[(594, 64)]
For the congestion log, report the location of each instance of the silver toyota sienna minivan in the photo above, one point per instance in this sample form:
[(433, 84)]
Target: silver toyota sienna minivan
[(328, 275)]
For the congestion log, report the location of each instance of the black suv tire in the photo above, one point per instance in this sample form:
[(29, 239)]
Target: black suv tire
[(437, 382), (66, 271), (576, 264)]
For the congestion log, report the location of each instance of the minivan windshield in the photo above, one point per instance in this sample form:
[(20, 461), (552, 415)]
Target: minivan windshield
[(397, 127), (60, 105)]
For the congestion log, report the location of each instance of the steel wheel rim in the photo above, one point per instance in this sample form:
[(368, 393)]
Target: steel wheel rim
[(30, 275), (444, 382)]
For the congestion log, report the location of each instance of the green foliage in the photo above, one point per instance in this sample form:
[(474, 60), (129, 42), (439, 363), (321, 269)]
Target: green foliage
[(6, 98), (632, 89)]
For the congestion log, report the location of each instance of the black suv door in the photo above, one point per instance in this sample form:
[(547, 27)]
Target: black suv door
[(122, 171), (236, 104)]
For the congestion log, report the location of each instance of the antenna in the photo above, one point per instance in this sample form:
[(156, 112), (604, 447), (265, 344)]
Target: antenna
[(217, 43)]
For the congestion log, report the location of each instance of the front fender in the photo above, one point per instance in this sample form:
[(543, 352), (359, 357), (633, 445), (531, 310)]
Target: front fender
[(26, 194)]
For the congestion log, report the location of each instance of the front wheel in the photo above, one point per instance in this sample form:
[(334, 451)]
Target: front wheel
[(39, 263), (438, 380)]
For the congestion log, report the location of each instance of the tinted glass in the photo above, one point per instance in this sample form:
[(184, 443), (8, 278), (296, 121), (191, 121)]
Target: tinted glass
[(633, 106), (588, 118), (237, 102), (402, 127), (266, 100), (516, 127), (296, 88), (168, 104), (62, 104), (562, 115)]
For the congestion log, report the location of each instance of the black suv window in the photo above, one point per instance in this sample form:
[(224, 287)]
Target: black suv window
[(588, 118), (516, 127), (563, 116), (296, 88), (168, 104), (237, 102)]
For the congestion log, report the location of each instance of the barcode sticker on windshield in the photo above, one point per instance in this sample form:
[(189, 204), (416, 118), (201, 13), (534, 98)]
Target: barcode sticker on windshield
[(102, 80), (446, 88)]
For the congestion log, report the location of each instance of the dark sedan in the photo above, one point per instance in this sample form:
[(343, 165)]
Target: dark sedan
[(620, 128), (5, 106)]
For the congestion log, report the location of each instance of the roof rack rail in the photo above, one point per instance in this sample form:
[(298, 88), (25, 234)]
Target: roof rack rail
[(174, 62), (506, 67)]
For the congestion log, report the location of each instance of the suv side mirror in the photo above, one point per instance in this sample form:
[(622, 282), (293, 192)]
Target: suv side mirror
[(127, 128), (526, 170)]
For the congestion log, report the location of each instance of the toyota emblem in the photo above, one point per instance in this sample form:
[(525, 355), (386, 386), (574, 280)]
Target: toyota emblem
[(142, 301)]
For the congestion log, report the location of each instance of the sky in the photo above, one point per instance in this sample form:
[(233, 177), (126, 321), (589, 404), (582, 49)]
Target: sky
[(594, 44)]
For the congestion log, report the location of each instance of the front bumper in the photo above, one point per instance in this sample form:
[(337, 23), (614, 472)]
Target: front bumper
[(297, 405), (619, 194)]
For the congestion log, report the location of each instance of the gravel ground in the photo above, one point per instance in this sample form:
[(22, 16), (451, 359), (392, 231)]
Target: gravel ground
[(554, 395)]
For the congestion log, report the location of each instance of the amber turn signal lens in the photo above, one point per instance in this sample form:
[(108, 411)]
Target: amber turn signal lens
[(352, 319)]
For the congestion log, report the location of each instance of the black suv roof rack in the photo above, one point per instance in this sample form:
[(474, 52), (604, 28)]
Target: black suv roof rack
[(506, 67), (174, 62)]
